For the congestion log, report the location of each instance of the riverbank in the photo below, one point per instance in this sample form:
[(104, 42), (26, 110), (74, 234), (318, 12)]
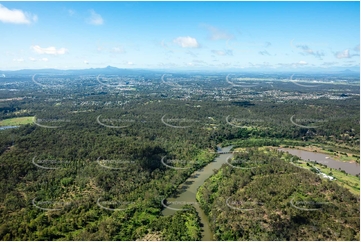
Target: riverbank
[(348, 180), (186, 192), (351, 183), (348, 167), (337, 155)]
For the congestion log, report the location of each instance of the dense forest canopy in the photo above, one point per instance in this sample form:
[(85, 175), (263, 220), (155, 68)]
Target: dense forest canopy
[(90, 164)]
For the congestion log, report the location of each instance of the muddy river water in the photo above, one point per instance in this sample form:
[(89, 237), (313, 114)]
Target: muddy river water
[(186, 193), (348, 167)]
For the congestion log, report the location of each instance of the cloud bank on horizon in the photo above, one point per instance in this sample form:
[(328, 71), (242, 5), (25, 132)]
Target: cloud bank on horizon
[(180, 35)]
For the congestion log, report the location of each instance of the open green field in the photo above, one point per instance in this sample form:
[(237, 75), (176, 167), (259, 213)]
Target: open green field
[(17, 121), (350, 182)]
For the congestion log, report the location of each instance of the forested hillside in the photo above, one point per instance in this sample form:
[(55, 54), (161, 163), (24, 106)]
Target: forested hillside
[(262, 196), (89, 167)]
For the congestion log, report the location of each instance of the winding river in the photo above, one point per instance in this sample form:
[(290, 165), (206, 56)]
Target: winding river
[(348, 167), (186, 192)]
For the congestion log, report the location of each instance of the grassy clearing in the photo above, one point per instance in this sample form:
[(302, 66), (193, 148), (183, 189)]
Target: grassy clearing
[(350, 182), (16, 121)]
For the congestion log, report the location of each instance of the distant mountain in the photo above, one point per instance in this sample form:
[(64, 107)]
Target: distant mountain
[(347, 71), (110, 70), (91, 71)]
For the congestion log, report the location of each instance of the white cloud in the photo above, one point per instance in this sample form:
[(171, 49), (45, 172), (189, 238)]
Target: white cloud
[(296, 64), (264, 52), (95, 18), (344, 54), (86, 62), (308, 51), (34, 59), (119, 50), (302, 63), (49, 50), (186, 42), (329, 63), (217, 34), (19, 60), (200, 62), (222, 53), (16, 16)]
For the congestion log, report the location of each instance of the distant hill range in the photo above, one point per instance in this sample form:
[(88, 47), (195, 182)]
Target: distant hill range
[(110, 70), (90, 71)]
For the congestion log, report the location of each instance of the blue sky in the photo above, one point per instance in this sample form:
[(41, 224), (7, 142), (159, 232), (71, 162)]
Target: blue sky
[(180, 35)]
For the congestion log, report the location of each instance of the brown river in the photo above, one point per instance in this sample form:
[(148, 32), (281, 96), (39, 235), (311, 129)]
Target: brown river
[(186, 193), (348, 167)]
